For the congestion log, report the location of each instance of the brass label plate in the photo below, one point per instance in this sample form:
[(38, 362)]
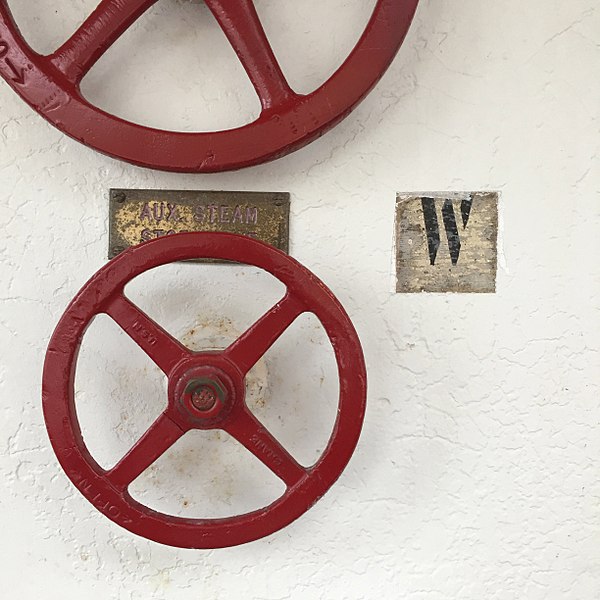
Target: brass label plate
[(136, 216), (446, 242)]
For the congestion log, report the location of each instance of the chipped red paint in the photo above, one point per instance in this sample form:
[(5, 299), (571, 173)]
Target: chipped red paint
[(221, 371), (51, 85)]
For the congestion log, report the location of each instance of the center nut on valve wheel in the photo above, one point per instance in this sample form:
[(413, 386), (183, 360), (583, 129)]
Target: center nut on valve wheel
[(204, 396), (206, 391)]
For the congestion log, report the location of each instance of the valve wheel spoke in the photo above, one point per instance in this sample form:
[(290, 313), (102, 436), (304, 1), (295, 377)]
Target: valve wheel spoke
[(96, 35), (252, 434), (241, 24), (161, 435), (159, 345), (237, 18), (251, 345)]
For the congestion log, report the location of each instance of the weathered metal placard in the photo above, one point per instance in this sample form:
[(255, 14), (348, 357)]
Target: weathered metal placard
[(136, 216), (446, 242)]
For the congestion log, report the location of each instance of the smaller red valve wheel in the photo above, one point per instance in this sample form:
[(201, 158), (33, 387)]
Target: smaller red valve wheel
[(51, 85), (205, 391)]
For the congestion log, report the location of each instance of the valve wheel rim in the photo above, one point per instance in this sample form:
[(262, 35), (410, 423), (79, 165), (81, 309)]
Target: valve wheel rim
[(107, 489), (288, 121)]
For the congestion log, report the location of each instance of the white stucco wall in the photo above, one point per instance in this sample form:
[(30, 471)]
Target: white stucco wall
[(476, 476)]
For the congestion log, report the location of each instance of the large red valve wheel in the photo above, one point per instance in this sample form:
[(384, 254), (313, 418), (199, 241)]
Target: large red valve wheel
[(205, 391), (51, 85)]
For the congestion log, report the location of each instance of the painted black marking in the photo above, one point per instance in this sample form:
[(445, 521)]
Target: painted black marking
[(465, 210), (450, 225), (432, 227), (451, 231)]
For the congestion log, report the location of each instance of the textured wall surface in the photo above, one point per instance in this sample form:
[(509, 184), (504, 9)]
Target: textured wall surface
[(477, 473)]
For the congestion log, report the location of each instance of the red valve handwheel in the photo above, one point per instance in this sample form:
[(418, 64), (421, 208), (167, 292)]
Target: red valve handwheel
[(51, 85), (205, 391)]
